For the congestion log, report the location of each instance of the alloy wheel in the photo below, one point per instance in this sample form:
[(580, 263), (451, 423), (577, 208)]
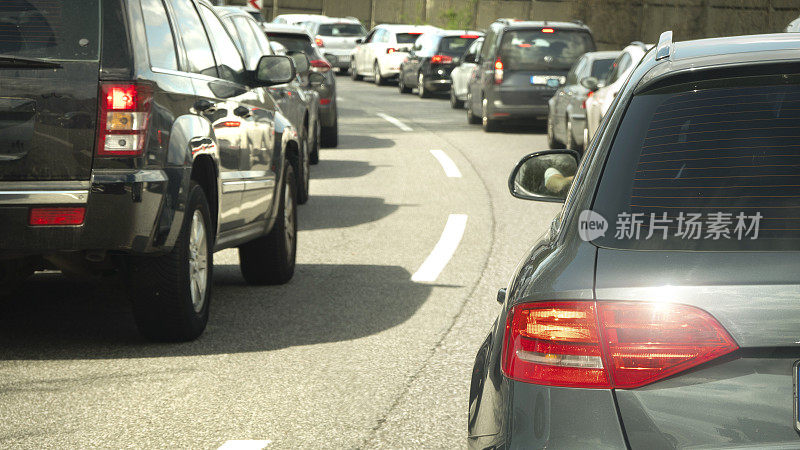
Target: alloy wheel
[(198, 261)]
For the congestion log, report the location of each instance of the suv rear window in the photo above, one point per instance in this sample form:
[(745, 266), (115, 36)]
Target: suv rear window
[(538, 50), (455, 45), (601, 68), (293, 42), (407, 38), (341, 29), (50, 29), (725, 152)]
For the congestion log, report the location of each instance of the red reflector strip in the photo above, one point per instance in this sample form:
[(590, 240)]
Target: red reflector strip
[(324, 101), (228, 124), (57, 216), (469, 36), (548, 30)]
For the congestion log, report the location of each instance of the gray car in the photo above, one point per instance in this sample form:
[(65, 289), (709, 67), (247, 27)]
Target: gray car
[(462, 73), (297, 39), (336, 38), (567, 118), (662, 308)]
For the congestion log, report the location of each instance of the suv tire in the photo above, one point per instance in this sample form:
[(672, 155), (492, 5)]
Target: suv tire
[(304, 175), (472, 119), (330, 135), (270, 259), (489, 124), (423, 93), (314, 156), (171, 293), (401, 83)]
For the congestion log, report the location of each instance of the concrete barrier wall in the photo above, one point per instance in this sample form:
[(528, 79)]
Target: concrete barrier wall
[(615, 23)]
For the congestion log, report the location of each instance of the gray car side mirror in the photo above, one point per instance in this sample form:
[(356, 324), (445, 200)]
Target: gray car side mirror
[(469, 58), (590, 83), (274, 70), (544, 176)]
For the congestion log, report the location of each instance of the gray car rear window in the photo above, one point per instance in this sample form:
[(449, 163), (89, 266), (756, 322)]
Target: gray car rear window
[(725, 152), (50, 29), (341, 30)]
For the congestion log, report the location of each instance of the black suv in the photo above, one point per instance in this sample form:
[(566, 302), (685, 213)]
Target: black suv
[(434, 55), (521, 65), (116, 155)]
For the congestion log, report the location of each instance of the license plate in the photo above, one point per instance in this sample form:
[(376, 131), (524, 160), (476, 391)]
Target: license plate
[(549, 81), (796, 389)]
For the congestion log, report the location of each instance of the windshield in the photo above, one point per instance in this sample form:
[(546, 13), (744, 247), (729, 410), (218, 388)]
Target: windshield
[(455, 45), (341, 30), (539, 50), (293, 42), (50, 29), (407, 38), (707, 166)]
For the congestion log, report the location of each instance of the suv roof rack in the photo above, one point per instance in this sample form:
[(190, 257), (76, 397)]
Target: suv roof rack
[(578, 22), (507, 20), (664, 45)]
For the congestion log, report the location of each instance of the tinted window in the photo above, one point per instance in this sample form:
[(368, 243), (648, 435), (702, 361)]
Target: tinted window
[(535, 50), (489, 45), (50, 29), (293, 42), (341, 29), (229, 61), (250, 46), (724, 152), (160, 42), (455, 45), (601, 68), (622, 62), (407, 38), (475, 48), (195, 41)]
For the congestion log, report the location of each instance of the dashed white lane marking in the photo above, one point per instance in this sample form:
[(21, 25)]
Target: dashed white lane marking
[(244, 444), (395, 122), (451, 236), (450, 168)]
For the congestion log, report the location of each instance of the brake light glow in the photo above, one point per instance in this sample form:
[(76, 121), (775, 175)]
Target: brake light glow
[(318, 41), (124, 115), (320, 65), (469, 36), (548, 30), (57, 216), (390, 50), (588, 96), (228, 124), (441, 59), (498, 71), (606, 345)]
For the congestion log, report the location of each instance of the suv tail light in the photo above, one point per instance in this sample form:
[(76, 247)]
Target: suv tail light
[(320, 65), (318, 41), (441, 59), (608, 345), (498, 71), (124, 115), (390, 50), (57, 216), (588, 96)]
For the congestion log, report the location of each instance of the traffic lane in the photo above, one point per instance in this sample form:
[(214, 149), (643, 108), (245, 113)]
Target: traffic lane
[(432, 413), (316, 362)]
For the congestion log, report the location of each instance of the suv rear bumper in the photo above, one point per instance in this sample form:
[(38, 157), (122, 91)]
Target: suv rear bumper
[(501, 110), (122, 208)]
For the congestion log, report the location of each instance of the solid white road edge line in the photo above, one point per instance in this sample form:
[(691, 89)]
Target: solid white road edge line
[(450, 168), (244, 444), (451, 236), (395, 122)]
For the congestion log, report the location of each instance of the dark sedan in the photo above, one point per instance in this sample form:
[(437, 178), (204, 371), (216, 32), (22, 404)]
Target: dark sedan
[(435, 54), (661, 309), (567, 119)]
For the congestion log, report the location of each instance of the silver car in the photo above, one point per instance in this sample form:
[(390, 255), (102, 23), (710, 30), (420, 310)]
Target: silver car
[(662, 308), (336, 38), (462, 72)]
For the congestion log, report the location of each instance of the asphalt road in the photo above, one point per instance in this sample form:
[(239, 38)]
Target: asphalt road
[(350, 354)]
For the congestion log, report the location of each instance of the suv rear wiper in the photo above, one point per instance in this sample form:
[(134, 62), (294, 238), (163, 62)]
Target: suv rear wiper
[(10, 61)]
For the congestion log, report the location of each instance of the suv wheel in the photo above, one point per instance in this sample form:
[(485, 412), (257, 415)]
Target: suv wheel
[(171, 293), (423, 93), (330, 135), (472, 119), (455, 103), (379, 80), (489, 124), (314, 156), (354, 72), (270, 259), (401, 83), (552, 142)]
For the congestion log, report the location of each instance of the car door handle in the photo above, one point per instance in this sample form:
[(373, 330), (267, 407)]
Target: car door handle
[(242, 111)]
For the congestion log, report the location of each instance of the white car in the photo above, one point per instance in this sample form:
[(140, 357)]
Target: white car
[(383, 50), (336, 38), (462, 72), (297, 19), (598, 103)]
